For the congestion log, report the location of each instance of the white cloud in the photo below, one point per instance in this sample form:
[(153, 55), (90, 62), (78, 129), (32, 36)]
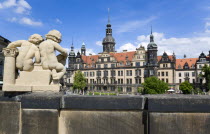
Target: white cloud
[(58, 21), (128, 47), (192, 47), (90, 51), (8, 4), (13, 19), (99, 43), (19, 6), (133, 25), (24, 4), (207, 24), (30, 22)]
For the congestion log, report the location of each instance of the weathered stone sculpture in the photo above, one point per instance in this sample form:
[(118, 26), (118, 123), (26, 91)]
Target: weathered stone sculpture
[(34, 66), (28, 50), (48, 57)]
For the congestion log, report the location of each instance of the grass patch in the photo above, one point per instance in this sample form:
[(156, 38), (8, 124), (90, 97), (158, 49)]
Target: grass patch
[(98, 93)]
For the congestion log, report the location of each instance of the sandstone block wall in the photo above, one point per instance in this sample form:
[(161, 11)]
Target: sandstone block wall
[(62, 114)]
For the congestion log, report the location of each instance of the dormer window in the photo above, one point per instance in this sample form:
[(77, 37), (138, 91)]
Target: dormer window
[(78, 60), (203, 59), (128, 63), (186, 66), (179, 67), (121, 63)]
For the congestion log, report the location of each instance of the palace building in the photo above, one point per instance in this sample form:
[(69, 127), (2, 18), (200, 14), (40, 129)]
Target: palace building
[(126, 71)]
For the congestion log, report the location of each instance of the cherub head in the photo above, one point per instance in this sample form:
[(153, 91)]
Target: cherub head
[(35, 39), (54, 35)]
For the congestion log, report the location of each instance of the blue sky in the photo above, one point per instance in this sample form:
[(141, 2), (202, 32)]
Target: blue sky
[(182, 26)]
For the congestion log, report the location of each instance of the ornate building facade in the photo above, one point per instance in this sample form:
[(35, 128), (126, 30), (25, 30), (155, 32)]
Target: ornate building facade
[(126, 71)]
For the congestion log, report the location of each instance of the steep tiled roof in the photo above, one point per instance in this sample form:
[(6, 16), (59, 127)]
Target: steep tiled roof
[(169, 56), (120, 57), (123, 56), (90, 59), (181, 62)]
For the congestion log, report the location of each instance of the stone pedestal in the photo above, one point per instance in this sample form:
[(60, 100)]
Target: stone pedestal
[(9, 66), (37, 80)]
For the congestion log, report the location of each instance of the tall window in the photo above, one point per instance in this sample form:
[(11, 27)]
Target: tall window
[(98, 73), (138, 72), (138, 64), (120, 73), (113, 65), (193, 73), (105, 73), (129, 81), (105, 65), (113, 73), (128, 89), (129, 72), (186, 74)]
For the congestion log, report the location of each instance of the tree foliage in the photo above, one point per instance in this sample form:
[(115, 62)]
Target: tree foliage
[(206, 75), (153, 85), (186, 87), (79, 81)]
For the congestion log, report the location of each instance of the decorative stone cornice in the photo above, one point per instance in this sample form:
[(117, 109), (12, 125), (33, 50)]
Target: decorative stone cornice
[(10, 52)]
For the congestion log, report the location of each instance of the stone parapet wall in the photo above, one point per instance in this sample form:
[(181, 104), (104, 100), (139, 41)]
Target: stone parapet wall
[(50, 113)]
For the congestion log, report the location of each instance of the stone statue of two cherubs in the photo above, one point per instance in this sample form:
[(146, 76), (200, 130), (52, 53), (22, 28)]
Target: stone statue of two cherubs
[(33, 54)]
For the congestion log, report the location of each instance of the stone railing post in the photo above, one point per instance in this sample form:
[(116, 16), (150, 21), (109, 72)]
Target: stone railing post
[(9, 66)]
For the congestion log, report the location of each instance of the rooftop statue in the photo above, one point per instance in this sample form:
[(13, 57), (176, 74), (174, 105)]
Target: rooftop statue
[(33, 65)]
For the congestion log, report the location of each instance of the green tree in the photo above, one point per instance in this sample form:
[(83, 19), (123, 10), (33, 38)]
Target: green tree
[(186, 87), (79, 81), (140, 90), (206, 75), (153, 85)]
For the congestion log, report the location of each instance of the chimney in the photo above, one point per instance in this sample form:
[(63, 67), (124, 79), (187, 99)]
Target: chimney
[(90, 54)]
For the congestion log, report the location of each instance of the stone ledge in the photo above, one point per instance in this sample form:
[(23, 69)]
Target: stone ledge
[(46, 100), (152, 103), (178, 103), (103, 102)]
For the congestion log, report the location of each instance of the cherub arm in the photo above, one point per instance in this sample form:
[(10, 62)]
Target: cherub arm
[(16, 44), (60, 49)]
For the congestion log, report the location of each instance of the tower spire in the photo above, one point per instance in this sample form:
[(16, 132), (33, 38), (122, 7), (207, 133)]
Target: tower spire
[(151, 29), (108, 41), (108, 17), (72, 45), (151, 36)]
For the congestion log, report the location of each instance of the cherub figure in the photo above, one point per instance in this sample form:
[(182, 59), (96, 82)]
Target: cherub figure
[(28, 50), (48, 58)]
